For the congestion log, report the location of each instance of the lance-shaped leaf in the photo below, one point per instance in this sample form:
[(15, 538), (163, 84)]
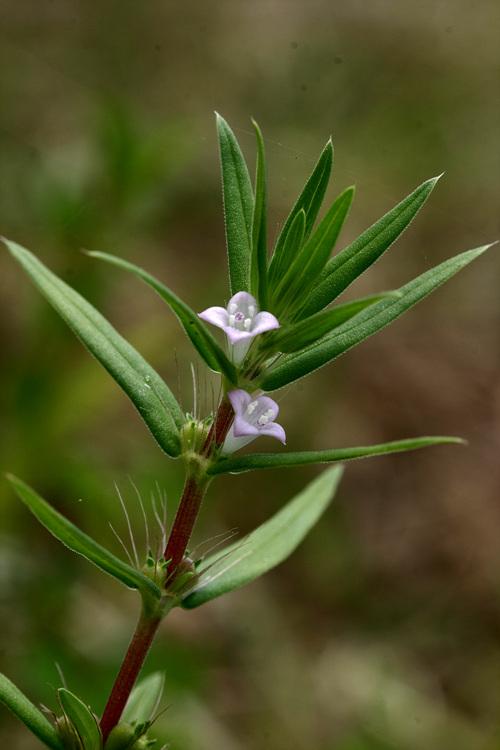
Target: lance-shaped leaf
[(28, 713), (268, 545), (304, 269), (297, 336), (350, 263), (366, 323), (82, 719), (239, 464), (142, 384), (77, 541), (238, 207), (258, 271), (309, 201), (202, 339), (144, 699), (292, 243)]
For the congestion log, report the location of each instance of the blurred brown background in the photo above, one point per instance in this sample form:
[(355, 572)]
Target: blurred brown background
[(383, 630)]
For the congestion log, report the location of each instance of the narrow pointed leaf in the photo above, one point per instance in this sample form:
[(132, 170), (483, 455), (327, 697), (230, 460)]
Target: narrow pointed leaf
[(297, 336), (238, 207), (77, 541), (144, 699), (258, 286), (200, 337), (309, 262), (142, 384), (239, 464), (268, 545), (291, 247), (310, 201), (350, 263), (82, 719), (28, 713), (366, 323)]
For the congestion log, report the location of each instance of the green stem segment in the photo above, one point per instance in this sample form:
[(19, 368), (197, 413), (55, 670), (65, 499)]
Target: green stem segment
[(127, 676)]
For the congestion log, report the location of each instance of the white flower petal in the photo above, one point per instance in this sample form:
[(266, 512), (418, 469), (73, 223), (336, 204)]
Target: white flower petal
[(216, 316)]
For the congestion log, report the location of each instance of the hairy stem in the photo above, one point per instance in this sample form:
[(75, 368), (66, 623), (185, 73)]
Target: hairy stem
[(129, 671), (194, 491), (185, 519)]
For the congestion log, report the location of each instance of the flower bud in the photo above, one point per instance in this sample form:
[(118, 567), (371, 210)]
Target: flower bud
[(121, 737)]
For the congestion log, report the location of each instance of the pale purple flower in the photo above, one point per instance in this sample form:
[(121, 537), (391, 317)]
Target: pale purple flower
[(241, 321), (254, 416)]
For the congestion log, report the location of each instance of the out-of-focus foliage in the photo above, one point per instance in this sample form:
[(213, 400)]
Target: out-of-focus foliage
[(382, 631)]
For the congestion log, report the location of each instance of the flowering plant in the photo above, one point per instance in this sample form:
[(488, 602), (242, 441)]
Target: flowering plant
[(279, 326)]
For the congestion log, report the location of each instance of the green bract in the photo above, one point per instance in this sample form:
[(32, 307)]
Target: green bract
[(79, 542), (146, 389), (81, 718), (28, 713), (200, 337), (238, 208), (267, 546), (239, 464), (364, 324), (145, 699), (258, 264)]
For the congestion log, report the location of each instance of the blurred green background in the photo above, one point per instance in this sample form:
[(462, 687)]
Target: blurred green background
[(383, 630)]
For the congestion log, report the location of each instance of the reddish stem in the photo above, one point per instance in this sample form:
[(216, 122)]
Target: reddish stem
[(185, 519), (132, 664), (178, 540), (194, 490)]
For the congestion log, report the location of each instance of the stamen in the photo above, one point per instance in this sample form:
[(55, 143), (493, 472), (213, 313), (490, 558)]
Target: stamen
[(263, 419), (247, 324), (251, 407), (251, 310), (231, 320), (233, 307)]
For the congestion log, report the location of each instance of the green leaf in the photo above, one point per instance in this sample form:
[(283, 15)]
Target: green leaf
[(258, 276), (292, 243), (142, 384), (28, 713), (350, 263), (82, 719), (238, 207), (144, 699), (239, 464), (268, 545), (366, 323), (77, 541), (310, 201), (304, 269), (201, 339), (296, 336)]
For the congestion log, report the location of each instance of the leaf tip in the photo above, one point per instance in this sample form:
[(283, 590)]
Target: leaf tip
[(8, 243), (454, 440), (221, 123), (477, 251)]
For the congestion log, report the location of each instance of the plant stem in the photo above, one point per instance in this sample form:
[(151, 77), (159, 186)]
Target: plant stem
[(185, 519), (187, 513), (222, 422), (129, 671), (194, 491)]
